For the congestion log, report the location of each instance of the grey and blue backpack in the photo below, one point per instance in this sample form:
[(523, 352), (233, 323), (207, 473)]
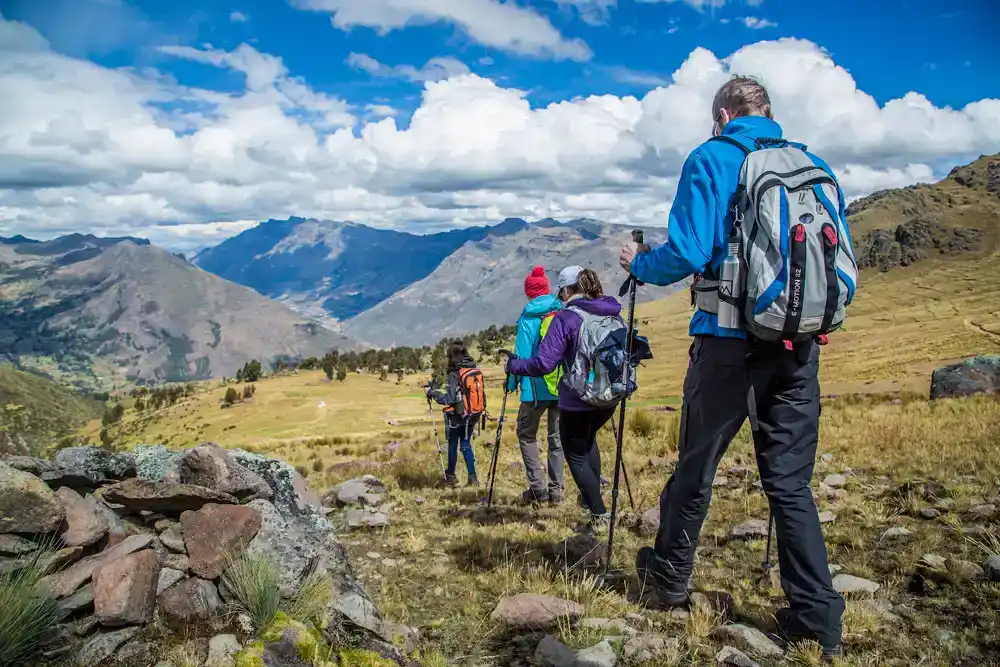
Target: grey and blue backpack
[(798, 270)]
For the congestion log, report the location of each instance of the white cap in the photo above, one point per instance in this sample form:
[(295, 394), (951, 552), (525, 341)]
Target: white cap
[(569, 276)]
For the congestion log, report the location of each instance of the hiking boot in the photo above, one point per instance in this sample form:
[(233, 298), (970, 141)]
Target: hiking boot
[(449, 479), (790, 631), (651, 570), (532, 497), (555, 498), (473, 481)]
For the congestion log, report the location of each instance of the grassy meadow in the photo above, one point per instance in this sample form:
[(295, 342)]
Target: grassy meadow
[(444, 562)]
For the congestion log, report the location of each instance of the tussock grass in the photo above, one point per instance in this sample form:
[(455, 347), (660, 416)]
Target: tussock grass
[(312, 601), (254, 583), (27, 612)]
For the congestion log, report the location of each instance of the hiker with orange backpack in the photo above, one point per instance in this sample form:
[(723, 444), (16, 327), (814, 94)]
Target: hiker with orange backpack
[(464, 398), (539, 396)]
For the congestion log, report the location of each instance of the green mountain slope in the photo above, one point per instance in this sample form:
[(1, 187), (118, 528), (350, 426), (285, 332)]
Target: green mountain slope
[(35, 411)]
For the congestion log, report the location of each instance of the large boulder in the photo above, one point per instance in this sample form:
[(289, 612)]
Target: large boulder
[(289, 543), (211, 466), (216, 532), (191, 601), (978, 375), (138, 494), (96, 462), (63, 583), (84, 524), (27, 505), (14, 545), (125, 589)]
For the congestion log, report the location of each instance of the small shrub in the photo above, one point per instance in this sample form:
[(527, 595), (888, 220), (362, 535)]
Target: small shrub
[(317, 465), (254, 583), (249, 390), (231, 396), (302, 470), (26, 613), (341, 373)]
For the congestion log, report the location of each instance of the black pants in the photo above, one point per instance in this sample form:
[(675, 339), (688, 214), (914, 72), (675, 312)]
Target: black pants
[(786, 396), (578, 432)]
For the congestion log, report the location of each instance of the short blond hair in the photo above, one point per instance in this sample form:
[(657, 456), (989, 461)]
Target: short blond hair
[(742, 96)]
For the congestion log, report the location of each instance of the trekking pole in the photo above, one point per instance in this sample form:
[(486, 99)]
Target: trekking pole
[(496, 445), (630, 285), (628, 487), (437, 437), (767, 549)]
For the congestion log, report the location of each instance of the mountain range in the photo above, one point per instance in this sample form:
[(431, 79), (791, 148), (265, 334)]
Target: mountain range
[(388, 288), (108, 311), (116, 310)]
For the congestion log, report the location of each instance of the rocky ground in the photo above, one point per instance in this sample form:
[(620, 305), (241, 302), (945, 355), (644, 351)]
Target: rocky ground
[(139, 550)]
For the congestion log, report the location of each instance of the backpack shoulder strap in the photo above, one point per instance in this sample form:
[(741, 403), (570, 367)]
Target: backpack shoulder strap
[(730, 139)]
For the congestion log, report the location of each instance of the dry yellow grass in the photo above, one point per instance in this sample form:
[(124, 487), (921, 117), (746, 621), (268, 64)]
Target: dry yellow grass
[(444, 562)]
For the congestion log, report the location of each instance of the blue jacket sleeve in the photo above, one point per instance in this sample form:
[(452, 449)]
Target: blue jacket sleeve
[(550, 351), (691, 231)]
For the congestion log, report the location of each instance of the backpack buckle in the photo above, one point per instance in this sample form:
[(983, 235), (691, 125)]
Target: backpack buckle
[(789, 345), (822, 339)]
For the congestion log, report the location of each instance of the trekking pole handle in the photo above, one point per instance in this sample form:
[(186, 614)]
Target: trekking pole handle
[(637, 235)]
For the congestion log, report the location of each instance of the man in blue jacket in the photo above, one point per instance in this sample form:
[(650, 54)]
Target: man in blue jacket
[(537, 398), (724, 371)]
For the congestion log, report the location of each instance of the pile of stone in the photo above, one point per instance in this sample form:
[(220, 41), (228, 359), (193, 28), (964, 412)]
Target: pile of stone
[(361, 500), (143, 539)]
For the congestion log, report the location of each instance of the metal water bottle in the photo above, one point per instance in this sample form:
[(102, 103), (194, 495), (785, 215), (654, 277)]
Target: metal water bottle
[(729, 289)]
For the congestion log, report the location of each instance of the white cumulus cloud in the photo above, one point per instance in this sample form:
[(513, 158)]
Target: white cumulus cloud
[(434, 69), (238, 17), (502, 25), (126, 151)]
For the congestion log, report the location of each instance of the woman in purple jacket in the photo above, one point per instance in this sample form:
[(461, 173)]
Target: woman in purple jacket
[(578, 421)]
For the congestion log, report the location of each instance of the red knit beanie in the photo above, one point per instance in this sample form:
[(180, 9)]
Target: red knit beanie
[(536, 284)]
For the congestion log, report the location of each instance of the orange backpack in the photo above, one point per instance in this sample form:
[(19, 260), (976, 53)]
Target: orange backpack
[(473, 388)]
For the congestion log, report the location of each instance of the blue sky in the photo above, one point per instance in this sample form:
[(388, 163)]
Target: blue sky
[(362, 67), (949, 51)]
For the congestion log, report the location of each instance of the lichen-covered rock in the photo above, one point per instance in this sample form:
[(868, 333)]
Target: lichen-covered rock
[(84, 524), (15, 545), (222, 650), (978, 375), (292, 494), (137, 494), (77, 602), (156, 463), (30, 464), (168, 577), (216, 532), (581, 551), (142, 654), (57, 479), (211, 466), (749, 639), (191, 601), (753, 528), (101, 647), (173, 539), (290, 543), (125, 589), (96, 462), (27, 505)]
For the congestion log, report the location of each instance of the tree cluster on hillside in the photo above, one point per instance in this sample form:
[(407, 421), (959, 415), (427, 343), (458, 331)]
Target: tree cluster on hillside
[(251, 371)]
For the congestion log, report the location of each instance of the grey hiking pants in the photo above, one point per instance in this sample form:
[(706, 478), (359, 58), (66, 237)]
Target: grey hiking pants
[(786, 396), (529, 418)]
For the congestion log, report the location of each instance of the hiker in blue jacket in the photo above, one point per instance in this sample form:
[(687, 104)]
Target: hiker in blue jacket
[(726, 368), (537, 399)]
